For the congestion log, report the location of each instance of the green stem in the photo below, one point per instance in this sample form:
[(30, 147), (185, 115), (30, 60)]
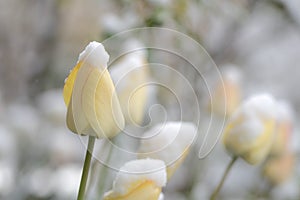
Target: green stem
[(86, 168), (217, 190), (96, 170)]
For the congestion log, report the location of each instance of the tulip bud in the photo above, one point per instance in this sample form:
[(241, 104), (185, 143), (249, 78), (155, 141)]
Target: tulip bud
[(226, 96), (130, 76), (89, 94), (139, 179), (279, 168), (169, 142), (250, 130)]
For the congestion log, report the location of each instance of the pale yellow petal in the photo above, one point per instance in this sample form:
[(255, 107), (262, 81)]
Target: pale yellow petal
[(145, 191), (71, 125), (109, 112), (252, 151), (282, 138), (101, 105), (261, 147), (133, 98), (80, 121), (228, 92), (70, 119), (69, 83)]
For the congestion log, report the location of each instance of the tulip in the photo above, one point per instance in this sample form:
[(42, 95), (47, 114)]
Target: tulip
[(277, 169), (93, 107), (139, 180), (169, 142), (227, 94), (250, 131), (130, 75), (89, 94)]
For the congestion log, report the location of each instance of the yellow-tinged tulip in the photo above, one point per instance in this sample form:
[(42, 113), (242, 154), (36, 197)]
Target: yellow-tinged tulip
[(169, 142), (89, 94), (228, 90), (250, 130), (130, 75), (139, 180), (279, 168)]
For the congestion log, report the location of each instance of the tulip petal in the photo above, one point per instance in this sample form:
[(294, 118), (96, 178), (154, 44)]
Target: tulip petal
[(259, 150), (69, 84), (133, 95), (70, 119), (145, 191), (71, 124), (101, 105), (80, 120), (279, 168), (252, 151)]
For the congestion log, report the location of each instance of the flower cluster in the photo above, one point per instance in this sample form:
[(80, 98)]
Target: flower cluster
[(95, 109), (257, 131)]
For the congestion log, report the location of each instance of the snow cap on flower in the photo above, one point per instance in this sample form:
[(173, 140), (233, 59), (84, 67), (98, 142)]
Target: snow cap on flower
[(250, 130), (89, 94), (169, 142), (94, 54), (139, 179)]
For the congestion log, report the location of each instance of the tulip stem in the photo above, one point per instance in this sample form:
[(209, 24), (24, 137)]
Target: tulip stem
[(86, 168), (217, 190)]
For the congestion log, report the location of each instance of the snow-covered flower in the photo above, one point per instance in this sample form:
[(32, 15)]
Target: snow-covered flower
[(250, 130), (169, 142), (139, 179), (89, 93)]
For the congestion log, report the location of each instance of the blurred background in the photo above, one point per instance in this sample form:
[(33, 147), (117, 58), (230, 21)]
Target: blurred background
[(255, 44)]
